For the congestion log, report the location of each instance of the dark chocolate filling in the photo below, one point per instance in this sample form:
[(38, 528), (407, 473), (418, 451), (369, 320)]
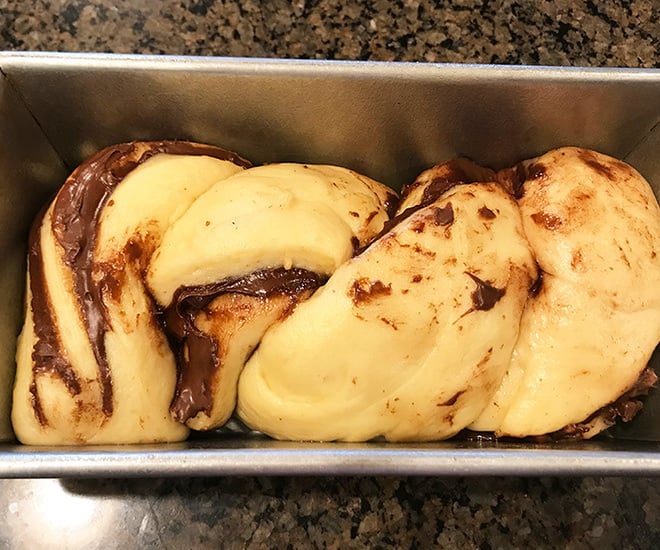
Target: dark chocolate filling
[(197, 353), (76, 212), (457, 172), (537, 285), (625, 407), (514, 179), (485, 295), (460, 170), (391, 204), (46, 353), (443, 216)]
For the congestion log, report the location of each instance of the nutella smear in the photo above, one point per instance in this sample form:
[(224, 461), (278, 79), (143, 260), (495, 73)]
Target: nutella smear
[(89, 348)]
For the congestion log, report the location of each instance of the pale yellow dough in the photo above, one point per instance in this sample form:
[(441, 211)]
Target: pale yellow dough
[(392, 345), (142, 365), (291, 215), (594, 226)]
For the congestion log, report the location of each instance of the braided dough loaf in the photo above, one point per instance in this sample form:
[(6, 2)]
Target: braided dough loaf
[(171, 284)]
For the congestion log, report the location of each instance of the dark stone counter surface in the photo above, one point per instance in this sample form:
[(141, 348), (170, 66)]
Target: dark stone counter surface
[(338, 512), (560, 32)]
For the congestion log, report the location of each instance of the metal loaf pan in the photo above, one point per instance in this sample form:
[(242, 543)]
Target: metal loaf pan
[(388, 120)]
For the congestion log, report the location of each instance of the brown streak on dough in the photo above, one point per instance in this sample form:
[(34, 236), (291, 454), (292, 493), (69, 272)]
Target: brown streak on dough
[(198, 354), (371, 216), (484, 360), (577, 261), (452, 400), (537, 285), (626, 406), (486, 213), (391, 203), (48, 357), (549, 221), (592, 161), (485, 295), (363, 290), (443, 216), (35, 401), (623, 256), (581, 196), (417, 226), (389, 323), (446, 176), (424, 252), (442, 178), (355, 242), (514, 179), (77, 210)]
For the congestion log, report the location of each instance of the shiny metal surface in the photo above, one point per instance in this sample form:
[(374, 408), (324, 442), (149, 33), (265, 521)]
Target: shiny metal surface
[(249, 456), (28, 169), (387, 120), (390, 120)]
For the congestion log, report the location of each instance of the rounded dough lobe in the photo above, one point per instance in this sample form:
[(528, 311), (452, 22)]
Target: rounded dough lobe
[(409, 339), (93, 365), (291, 215), (588, 334)]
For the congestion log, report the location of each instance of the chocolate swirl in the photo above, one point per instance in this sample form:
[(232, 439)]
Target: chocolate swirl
[(197, 352), (75, 218)]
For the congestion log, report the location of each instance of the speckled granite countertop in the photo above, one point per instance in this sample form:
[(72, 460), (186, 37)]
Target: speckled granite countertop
[(338, 512), (561, 32)]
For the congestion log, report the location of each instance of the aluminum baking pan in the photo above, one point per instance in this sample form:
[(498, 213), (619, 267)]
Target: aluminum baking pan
[(388, 120)]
